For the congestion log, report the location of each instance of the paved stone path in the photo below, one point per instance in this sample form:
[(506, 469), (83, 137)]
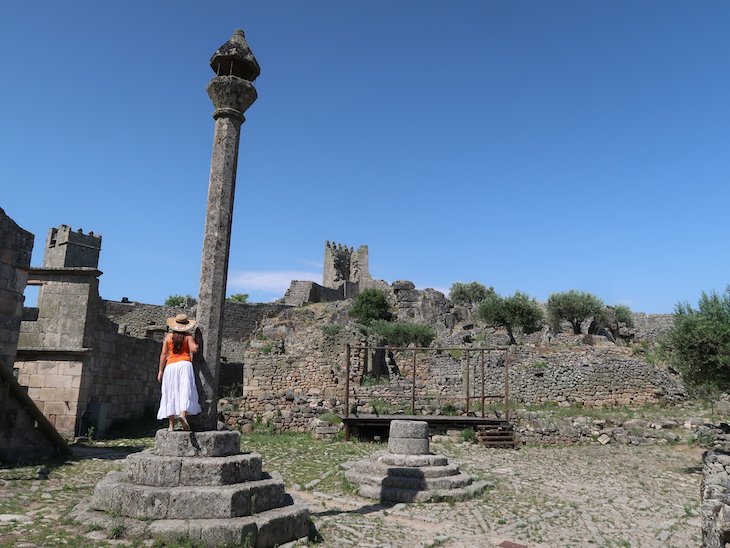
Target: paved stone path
[(555, 496), (571, 496)]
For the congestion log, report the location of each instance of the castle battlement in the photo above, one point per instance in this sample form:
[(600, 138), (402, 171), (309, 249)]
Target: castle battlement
[(66, 247)]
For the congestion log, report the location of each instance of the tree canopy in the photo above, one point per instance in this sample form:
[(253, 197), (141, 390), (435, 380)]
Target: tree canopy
[(698, 344), (519, 310), (574, 307), (179, 300), (469, 293), (369, 305), (238, 298), (404, 333)]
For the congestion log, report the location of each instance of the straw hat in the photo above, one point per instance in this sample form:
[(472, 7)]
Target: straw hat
[(180, 323)]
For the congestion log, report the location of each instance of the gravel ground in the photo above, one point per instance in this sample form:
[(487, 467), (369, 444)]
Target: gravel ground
[(541, 496)]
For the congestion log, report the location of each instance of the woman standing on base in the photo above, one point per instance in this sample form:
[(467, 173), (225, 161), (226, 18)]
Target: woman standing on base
[(179, 393)]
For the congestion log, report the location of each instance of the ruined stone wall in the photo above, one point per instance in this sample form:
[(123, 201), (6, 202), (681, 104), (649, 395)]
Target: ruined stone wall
[(123, 374), (20, 436), (139, 319), (16, 246), (715, 506)]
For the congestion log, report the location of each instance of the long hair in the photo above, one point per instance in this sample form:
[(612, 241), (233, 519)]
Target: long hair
[(177, 340)]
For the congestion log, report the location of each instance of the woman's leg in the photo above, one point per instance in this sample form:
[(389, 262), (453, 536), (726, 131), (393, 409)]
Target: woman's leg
[(171, 421), (184, 420)]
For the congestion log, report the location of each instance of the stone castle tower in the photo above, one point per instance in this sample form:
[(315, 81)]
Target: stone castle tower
[(344, 264), (68, 249)]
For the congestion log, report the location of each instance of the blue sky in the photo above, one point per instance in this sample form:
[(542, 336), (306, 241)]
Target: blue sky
[(533, 146)]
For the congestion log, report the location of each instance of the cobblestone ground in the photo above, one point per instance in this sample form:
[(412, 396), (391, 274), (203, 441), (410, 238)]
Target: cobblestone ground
[(554, 496), (572, 496)]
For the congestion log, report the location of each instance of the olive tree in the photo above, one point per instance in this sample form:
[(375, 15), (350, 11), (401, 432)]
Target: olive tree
[(574, 307), (469, 293), (519, 310), (698, 344)]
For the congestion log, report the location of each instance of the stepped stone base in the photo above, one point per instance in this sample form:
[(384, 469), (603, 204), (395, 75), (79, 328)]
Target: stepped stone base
[(409, 473), (197, 486)]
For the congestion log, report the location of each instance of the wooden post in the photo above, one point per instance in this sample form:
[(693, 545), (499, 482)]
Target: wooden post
[(482, 353), (506, 384), (413, 388), (468, 367)]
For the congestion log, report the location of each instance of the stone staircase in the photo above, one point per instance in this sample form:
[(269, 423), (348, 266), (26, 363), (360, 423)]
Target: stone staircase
[(198, 486), (496, 435)]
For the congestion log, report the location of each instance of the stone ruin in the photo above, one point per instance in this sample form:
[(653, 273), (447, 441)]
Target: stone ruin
[(197, 486), (346, 272), (408, 472)]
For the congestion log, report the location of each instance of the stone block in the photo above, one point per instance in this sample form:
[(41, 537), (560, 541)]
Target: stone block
[(146, 468), (221, 470), (56, 408), (408, 429), (408, 446), (114, 495), (197, 444)]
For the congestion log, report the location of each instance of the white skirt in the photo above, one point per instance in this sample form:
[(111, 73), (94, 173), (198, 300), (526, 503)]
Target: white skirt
[(179, 392)]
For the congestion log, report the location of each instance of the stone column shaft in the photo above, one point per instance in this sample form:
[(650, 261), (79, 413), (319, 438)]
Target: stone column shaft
[(214, 267)]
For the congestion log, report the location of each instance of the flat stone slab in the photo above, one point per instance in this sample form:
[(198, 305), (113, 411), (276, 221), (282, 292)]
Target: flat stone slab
[(408, 446), (147, 468), (411, 483), (375, 468), (389, 494), (215, 443), (117, 497), (408, 429), (395, 459)]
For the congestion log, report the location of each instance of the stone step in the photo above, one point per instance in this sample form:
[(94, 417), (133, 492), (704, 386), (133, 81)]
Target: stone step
[(270, 528), (375, 468), (115, 496), (394, 459), (417, 484), (147, 468), (390, 494), (197, 444)]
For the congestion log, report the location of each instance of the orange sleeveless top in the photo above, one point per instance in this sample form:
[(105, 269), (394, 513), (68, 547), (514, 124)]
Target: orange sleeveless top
[(183, 355)]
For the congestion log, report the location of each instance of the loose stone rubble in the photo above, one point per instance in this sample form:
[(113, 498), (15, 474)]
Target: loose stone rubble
[(408, 472), (197, 486)]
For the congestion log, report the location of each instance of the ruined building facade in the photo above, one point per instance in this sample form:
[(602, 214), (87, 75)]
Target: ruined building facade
[(24, 432), (76, 366)]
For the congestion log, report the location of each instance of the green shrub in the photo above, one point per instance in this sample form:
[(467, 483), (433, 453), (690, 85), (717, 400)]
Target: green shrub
[(330, 418), (179, 300), (331, 330), (468, 435), (404, 333), (448, 409), (369, 305), (238, 298), (267, 348), (699, 344)]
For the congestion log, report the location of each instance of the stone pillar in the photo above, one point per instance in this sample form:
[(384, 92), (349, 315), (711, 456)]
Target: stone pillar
[(231, 92)]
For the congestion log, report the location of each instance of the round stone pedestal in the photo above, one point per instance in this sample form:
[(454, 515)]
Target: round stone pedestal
[(408, 472), (198, 486)]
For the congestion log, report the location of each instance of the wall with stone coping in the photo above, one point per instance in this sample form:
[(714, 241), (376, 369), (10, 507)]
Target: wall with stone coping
[(715, 506)]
